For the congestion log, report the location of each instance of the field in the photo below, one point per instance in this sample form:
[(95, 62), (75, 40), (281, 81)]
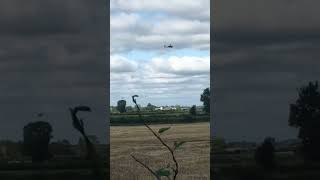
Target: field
[(193, 157), (51, 171), (243, 167), (62, 169)]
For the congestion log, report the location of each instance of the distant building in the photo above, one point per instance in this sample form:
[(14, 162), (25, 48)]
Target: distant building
[(165, 108), (240, 147), (184, 108), (158, 108), (290, 145), (236, 150)]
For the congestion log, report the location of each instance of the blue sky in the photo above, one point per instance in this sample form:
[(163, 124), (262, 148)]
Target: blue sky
[(141, 65)]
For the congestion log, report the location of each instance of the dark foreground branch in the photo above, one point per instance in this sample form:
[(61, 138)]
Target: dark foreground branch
[(176, 169), (145, 166)]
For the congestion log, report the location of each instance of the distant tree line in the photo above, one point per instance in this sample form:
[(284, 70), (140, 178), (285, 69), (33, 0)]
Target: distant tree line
[(204, 98)]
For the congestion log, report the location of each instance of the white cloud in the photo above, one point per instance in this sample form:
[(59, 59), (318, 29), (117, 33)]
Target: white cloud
[(132, 29), (146, 26), (124, 42), (188, 8), (128, 22), (183, 26), (182, 65), (123, 21), (171, 78), (119, 64)]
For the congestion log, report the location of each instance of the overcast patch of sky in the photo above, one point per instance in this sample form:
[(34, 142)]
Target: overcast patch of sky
[(138, 34), (265, 50)]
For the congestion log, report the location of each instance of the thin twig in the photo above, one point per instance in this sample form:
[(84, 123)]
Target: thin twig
[(176, 170), (145, 166)]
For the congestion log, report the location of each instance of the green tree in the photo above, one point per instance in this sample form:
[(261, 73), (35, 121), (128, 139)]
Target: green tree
[(205, 98), (264, 154), (150, 107), (193, 110), (305, 115), (36, 138), (121, 106), (129, 109), (178, 107)]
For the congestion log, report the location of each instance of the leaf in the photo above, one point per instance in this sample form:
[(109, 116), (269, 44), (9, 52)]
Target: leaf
[(178, 144), (163, 172), (161, 130)]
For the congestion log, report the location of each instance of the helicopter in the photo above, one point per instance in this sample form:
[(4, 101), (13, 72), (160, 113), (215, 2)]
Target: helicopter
[(170, 46)]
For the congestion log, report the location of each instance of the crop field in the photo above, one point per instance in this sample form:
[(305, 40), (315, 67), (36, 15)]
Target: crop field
[(63, 169), (44, 173), (193, 157), (243, 167)]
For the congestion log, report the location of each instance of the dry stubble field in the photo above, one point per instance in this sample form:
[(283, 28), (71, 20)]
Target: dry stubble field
[(193, 157)]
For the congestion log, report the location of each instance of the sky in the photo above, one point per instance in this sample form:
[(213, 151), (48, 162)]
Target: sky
[(262, 52), (52, 57), (140, 64)]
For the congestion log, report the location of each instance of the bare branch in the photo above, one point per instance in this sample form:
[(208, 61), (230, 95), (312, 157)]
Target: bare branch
[(145, 166), (176, 169)]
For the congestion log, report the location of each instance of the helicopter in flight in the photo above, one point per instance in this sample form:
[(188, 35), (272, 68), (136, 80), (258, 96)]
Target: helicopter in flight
[(170, 46)]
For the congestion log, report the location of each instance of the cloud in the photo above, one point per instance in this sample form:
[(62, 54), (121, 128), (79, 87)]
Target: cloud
[(123, 21), (187, 8), (121, 64), (38, 18), (173, 78), (262, 52), (128, 22), (155, 73), (181, 65), (181, 26), (52, 57), (132, 28), (271, 15)]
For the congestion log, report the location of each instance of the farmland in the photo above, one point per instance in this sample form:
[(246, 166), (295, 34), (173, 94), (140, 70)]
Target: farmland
[(242, 166), (63, 168), (193, 157)]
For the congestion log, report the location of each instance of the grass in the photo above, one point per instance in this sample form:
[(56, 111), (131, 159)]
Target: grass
[(193, 157)]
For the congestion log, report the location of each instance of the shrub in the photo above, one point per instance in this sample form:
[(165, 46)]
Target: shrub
[(264, 154)]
